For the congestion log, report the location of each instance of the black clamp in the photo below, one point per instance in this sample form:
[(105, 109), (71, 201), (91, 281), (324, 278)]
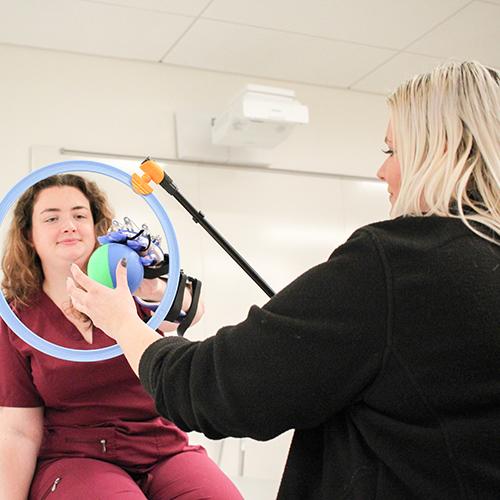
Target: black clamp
[(175, 314)]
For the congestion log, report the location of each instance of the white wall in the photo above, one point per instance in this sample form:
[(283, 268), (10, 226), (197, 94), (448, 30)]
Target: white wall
[(76, 101), (282, 223)]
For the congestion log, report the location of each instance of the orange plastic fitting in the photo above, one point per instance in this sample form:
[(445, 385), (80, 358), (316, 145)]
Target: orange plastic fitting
[(153, 172)]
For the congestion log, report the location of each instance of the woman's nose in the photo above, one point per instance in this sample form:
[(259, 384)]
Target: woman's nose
[(69, 225)]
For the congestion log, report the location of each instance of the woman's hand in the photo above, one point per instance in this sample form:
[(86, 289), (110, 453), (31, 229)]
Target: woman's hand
[(110, 309)]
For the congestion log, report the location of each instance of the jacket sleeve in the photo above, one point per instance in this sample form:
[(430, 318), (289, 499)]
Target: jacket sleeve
[(306, 355)]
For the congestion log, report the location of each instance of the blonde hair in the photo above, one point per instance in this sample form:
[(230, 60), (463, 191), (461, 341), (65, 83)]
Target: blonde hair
[(22, 269), (446, 128)]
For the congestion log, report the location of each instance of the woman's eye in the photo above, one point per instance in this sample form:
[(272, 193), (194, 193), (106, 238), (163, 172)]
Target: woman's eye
[(388, 151), (51, 219), (81, 216)]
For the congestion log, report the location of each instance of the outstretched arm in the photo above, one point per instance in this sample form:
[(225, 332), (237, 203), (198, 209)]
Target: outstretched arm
[(307, 354)]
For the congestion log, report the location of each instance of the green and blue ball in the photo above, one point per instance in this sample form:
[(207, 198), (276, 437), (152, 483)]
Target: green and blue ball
[(102, 265)]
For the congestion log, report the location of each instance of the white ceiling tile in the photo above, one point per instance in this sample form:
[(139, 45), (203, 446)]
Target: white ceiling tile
[(90, 28), (384, 23), (472, 34), (186, 7), (272, 54), (403, 67)]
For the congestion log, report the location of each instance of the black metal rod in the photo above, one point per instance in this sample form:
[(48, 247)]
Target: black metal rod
[(168, 184)]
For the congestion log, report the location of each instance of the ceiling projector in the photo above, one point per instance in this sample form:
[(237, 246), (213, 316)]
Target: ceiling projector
[(260, 117)]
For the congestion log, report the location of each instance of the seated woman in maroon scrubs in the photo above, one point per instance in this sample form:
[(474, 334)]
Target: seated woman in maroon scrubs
[(80, 430)]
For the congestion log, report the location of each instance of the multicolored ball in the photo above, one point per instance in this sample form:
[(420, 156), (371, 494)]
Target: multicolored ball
[(102, 265)]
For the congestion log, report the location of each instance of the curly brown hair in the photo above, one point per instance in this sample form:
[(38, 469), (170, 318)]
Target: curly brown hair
[(22, 269)]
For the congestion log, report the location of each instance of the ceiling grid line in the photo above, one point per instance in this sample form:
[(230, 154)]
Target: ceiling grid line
[(186, 31), (298, 33), (404, 49)]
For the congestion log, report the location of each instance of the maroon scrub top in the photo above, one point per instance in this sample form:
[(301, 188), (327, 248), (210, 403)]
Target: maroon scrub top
[(96, 409)]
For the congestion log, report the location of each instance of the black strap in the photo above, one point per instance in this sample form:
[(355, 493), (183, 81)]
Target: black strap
[(175, 309), (195, 298), (155, 272)]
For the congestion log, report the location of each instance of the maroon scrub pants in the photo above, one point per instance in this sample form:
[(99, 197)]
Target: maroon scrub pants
[(189, 475)]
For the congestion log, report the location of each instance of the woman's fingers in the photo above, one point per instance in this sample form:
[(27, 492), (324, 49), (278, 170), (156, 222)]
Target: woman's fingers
[(77, 295), (121, 274), (82, 279)]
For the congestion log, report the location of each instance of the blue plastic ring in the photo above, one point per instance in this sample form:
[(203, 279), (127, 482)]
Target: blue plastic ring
[(65, 353)]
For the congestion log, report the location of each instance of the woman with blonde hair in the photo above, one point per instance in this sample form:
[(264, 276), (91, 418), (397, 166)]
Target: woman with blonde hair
[(446, 124), (384, 359), (80, 430)]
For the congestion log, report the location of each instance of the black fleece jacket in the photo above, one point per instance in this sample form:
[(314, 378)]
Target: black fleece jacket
[(385, 359)]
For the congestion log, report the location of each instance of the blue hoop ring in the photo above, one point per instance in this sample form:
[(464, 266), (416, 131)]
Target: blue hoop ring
[(104, 353)]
